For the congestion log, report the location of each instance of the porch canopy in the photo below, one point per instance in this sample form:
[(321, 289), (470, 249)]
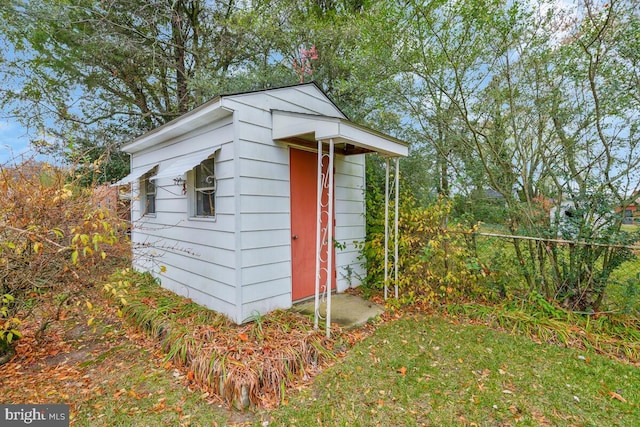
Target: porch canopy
[(347, 138)]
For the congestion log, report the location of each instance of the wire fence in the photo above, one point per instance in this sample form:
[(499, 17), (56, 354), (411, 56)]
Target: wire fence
[(546, 239)]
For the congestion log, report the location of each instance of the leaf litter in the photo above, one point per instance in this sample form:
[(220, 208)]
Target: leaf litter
[(254, 364)]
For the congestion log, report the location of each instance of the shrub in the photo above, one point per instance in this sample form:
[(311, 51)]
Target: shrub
[(52, 242), (436, 258)]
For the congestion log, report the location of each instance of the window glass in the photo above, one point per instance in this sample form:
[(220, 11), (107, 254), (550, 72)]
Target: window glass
[(149, 194), (205, 188)]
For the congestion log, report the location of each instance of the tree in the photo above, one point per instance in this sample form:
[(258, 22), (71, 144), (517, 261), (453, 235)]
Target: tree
[(531, 102), (97, 73), (594, 114), (85, 66)]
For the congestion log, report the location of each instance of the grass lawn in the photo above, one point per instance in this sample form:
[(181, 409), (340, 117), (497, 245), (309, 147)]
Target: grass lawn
[(417, 370), (432, 371)]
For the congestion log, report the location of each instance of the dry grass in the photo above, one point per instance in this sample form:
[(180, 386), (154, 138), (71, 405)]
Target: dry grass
[(617, 337), (251, 364)]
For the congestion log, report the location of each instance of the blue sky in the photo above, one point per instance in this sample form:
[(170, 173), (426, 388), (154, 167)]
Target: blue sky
[(13, 140)]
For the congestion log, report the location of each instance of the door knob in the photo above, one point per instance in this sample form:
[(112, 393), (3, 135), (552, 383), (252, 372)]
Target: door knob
[(294, 237)]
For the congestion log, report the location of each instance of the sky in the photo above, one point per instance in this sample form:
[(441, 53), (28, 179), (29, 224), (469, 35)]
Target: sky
[(13, 141)]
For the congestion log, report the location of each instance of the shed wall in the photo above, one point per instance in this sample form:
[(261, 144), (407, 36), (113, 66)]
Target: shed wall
[(350, 211), (198, 254), (264, 215)]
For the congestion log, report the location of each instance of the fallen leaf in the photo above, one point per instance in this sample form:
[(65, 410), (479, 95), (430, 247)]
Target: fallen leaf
[(243, 337), (615, 395), (402, 371)]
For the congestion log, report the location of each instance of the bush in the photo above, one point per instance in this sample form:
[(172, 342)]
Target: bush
[(52, 240), (437, 261)]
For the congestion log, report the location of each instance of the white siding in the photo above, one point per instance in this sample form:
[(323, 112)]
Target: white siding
[(300, 99), (198, 254), (350, 219), (264, 195)]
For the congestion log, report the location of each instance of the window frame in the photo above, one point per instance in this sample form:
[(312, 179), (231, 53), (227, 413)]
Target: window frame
[(196, 211), (146, 195)]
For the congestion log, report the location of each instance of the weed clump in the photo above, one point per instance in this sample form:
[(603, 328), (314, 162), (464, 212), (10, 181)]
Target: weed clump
[(250, 364)]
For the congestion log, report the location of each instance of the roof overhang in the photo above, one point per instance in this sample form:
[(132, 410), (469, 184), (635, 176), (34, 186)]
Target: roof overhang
[(194, 119), (348, 137)]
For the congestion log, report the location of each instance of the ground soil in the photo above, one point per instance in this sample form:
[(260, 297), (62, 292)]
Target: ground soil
[(72, 362)]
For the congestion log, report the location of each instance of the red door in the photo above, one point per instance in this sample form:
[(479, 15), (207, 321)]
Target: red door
[(304, 190)]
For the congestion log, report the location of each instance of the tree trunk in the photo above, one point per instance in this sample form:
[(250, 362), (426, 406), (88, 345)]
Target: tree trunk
[(179, 49)]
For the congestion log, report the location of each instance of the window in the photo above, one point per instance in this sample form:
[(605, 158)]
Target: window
[(148, 193), (205, 189)]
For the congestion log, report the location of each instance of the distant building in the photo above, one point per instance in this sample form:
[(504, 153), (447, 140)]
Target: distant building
[(109, 198), (630, 212)]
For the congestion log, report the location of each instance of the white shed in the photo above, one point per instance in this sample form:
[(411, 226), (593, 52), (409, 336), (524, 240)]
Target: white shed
[(225, 199)]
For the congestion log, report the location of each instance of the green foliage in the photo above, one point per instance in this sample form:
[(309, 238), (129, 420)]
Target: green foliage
[(436, 259), (582, 277), (9, 332), (531, 106), (613, 335), (631, 296), (105, 72), (501, 267), (480, 207), (623, 295)]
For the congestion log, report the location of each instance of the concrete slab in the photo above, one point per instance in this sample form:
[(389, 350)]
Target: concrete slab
[(346, 310)]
